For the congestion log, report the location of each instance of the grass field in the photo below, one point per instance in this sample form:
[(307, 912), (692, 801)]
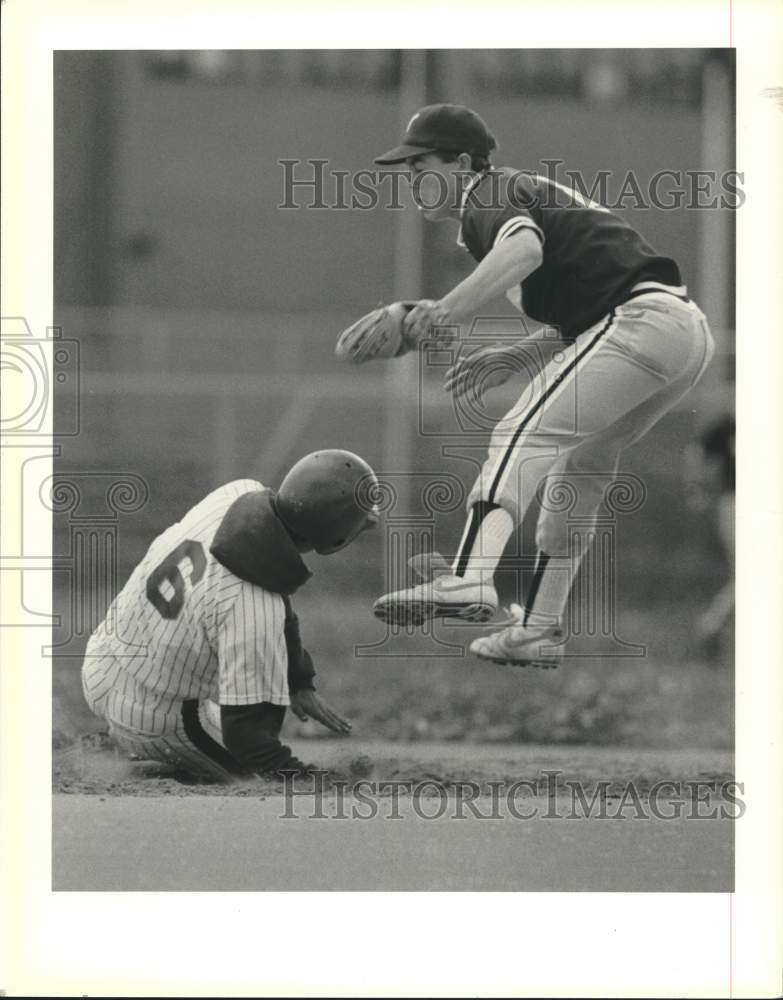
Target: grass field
[(672, 697)]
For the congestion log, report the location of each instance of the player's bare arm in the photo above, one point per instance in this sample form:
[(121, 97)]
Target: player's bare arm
[(506, 265), (390, 331)]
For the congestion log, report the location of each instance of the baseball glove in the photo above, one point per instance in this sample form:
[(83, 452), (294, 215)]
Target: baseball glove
[(380, 334)]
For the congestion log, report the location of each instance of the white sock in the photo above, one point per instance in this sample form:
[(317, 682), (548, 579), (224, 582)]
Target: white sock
[(491, 538), (551, 592), (546, 601)]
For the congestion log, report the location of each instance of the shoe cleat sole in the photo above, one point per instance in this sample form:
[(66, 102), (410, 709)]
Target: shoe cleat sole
[(422, 611)]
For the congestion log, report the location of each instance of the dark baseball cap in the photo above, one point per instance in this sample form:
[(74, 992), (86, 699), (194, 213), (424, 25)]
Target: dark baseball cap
[(452, 128)]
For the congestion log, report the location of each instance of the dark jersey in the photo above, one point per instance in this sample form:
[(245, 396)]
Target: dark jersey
[(591, 258)]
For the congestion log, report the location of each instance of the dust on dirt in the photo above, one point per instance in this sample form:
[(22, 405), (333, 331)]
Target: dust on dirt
[(93, 765)]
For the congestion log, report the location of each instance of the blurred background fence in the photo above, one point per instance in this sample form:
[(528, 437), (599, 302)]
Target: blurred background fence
[(206, 314)]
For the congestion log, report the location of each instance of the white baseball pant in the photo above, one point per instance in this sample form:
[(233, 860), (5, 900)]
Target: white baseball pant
[(183, 733), (596, 397)]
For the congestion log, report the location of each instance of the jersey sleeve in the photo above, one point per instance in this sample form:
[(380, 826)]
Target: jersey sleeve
[(251, 649), (502, 205), (301, 672)]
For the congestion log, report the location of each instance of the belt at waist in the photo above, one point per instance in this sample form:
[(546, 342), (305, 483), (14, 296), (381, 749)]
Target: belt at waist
[(654, 287)]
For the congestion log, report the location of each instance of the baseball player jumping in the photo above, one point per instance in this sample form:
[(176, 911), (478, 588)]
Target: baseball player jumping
[(633, 343), (200, 652)]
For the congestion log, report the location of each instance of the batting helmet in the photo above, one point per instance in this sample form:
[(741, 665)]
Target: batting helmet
[(327, 499)]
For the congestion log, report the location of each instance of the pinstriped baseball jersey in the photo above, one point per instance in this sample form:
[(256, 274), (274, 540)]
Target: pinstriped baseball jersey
[(185, 627)]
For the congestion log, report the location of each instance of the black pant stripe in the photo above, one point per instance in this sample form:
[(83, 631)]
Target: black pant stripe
[(478, 512), (201, 739), (535, 583), (545, 395)]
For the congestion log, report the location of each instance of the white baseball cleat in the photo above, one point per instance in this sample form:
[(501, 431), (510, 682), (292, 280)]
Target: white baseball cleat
[(446, 596), (522, 645)]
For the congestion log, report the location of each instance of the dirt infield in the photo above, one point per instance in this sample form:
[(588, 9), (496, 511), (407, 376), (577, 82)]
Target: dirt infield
[(400, 824), (93, 766)]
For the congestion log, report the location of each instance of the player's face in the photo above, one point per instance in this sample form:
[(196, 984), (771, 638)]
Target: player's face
[(436, 186)]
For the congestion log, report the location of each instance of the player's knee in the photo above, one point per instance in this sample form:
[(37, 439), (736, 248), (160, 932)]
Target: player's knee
[(136, 746), (166, 750)]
